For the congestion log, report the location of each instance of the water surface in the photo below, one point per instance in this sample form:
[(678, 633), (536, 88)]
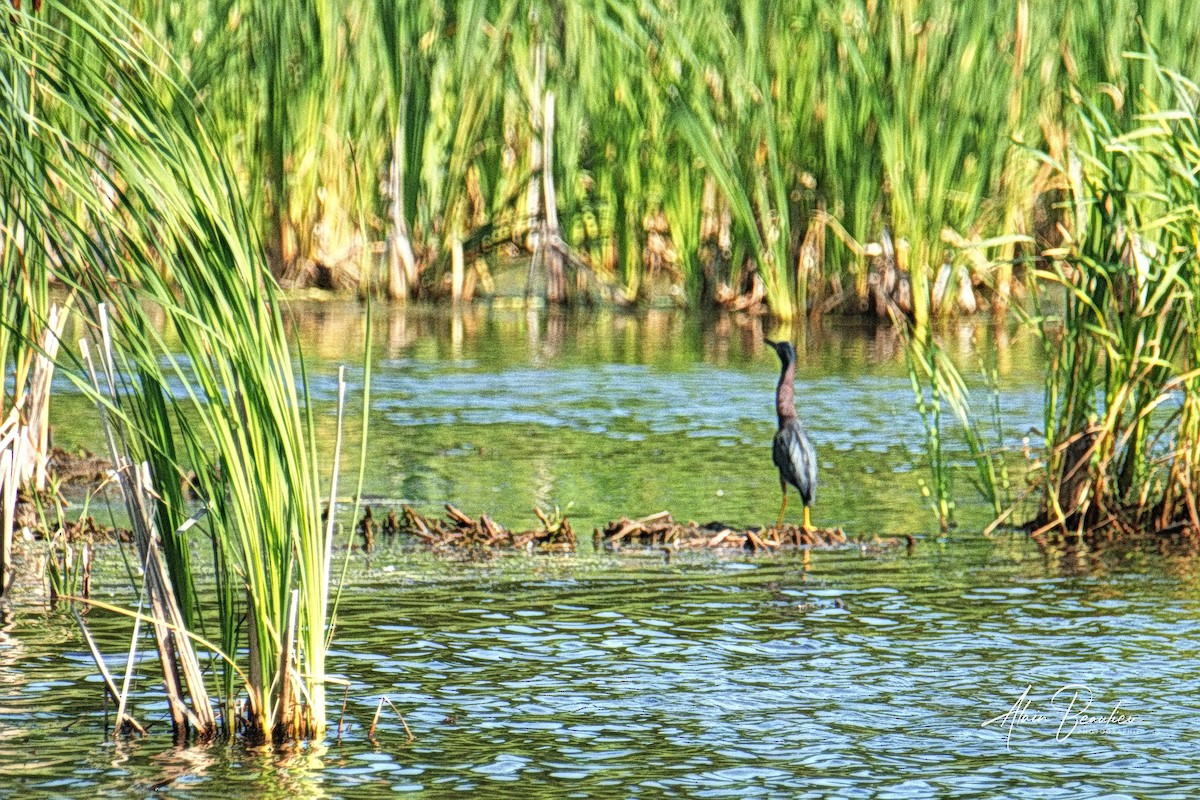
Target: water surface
[(871, 676), (595, 676), (499, 410)]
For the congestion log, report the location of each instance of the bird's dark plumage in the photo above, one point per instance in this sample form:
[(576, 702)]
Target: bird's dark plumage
[(793, 453), (796, 459)]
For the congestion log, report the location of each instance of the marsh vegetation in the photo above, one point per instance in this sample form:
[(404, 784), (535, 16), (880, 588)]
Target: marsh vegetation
[(799, 156), (165, 168)]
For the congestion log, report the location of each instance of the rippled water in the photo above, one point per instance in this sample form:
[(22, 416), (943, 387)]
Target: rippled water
[(872, 675), (497, 411)]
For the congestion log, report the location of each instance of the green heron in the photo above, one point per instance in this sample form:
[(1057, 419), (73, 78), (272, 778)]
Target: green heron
[(793, 454)]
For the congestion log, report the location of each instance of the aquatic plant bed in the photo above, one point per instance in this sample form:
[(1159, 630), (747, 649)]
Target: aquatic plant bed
[(462, 535), (661, 530)]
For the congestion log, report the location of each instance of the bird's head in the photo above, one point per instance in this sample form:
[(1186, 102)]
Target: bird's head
[(785, 351)]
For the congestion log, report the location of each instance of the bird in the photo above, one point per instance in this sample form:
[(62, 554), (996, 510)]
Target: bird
[(793, 452)]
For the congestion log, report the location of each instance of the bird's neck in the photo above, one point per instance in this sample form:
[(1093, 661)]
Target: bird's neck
[(785, 394)]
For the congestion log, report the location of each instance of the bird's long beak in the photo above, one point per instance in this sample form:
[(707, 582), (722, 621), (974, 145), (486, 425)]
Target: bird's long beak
[(768, 341)]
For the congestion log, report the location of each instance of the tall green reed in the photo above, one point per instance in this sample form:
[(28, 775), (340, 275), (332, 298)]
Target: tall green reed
[(917, 116), (30, 323), (928, 372), (938, 386), (1119, 421), (130, 203)]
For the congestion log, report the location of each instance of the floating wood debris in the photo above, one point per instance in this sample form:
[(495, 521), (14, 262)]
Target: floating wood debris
[(79, 469), (459, 534), (44, 518), (661, 530)]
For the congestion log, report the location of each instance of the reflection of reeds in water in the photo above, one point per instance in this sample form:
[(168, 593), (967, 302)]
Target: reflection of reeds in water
[(497, 336)]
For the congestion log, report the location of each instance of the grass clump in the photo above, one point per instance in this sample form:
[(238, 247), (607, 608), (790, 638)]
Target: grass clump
[(1121, 435), (115, 189), (703, 146), (1116, 308)]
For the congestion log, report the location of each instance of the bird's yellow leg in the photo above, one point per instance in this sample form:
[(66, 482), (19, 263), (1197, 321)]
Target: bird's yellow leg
[(807, 519), (782, 508)]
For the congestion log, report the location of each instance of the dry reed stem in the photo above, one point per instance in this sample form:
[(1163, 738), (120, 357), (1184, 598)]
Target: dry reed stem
[(374, 722), (25, 435), (407, 731), (460, 534), (175, 651), (661, 530), (8, 500), (123, 697), (342, 716), (109, 683)]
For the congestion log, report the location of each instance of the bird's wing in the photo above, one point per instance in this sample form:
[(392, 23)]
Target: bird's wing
[(803, 464), (780, 455)]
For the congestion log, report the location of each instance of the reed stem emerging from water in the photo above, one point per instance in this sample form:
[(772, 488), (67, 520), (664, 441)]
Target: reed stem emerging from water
[(121, 195), (1122, 441)]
